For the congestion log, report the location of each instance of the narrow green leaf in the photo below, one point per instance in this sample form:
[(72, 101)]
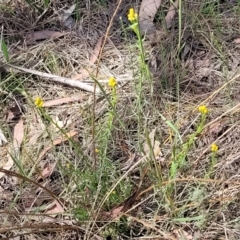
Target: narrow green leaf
[(4, 50), (188, 219), (172, 126)]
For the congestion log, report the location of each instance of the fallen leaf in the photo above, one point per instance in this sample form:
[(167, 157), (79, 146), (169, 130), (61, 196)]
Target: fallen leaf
[(181, 234), (215, 127), (84, 73), (115, 212), (55, 207), (47, 171), (171, 13), (155, 146), (60, 123), (44, 34), (237, 40), (57, 142), (64, 100), (66, 19), (5, 194), (147, 13), (96, 51), (18, 135), (14, 149), (126, 165), (157, 36), (13, 113)]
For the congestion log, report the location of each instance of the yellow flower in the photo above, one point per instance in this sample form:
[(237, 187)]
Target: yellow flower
[(203, 109), (97, 150), (68, 165), (132, 16), (112, 82), (214, 147), (39, 102)]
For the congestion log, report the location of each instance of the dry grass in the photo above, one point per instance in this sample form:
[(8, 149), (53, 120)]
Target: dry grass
[(121, 191)]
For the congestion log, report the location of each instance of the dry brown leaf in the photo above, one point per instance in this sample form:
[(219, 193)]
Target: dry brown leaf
[(215, 127), (5, 194), (13, 113), (84, 73), (57, 142), (237, 40), (156, 36), (47, 171), (155, 145), (66, 18), (18, 135), (181, 234), (116, 212), (64, 100), (55, 208), (171, 13), (96, 51), (14, 150), (147, 13), (44, 34)]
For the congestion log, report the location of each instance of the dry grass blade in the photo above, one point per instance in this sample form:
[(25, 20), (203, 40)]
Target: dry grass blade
[(57, 141), (11, 173), (166, 236), (84, 73)]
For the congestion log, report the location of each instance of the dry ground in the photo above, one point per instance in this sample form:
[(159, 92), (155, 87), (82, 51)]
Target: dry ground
[(103, 181)]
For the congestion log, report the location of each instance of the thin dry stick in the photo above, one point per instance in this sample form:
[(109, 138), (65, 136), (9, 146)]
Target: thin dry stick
[(95, 85), (217, 91), (68, 81), (191, 179), (94, 92), (150, 226)]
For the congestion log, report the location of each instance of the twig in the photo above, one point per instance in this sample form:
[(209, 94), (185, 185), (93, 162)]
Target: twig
[(95, 85), (68, 81)]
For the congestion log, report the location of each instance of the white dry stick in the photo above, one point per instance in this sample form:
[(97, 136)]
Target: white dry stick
[(55, 78)]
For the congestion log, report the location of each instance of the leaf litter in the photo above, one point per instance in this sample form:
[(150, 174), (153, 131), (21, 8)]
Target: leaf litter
[(200, 69), (14, 148)]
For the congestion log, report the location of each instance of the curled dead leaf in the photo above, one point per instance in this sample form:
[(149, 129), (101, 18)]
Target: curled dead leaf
[(171, 14), (236, 41), (147, 13), (84, 73), (44, 34), (14, 149)]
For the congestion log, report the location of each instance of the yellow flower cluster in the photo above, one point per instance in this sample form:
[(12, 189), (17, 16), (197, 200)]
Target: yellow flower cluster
[(132, 15), (203, 109), (214, 147), (39, 102), (97, 150), (112, 82)]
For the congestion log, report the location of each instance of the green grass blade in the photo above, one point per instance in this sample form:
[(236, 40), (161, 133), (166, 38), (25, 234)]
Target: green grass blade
[(172, 126), (4, 50)]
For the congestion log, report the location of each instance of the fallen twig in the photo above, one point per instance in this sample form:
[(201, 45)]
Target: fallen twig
[(68, 81)]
